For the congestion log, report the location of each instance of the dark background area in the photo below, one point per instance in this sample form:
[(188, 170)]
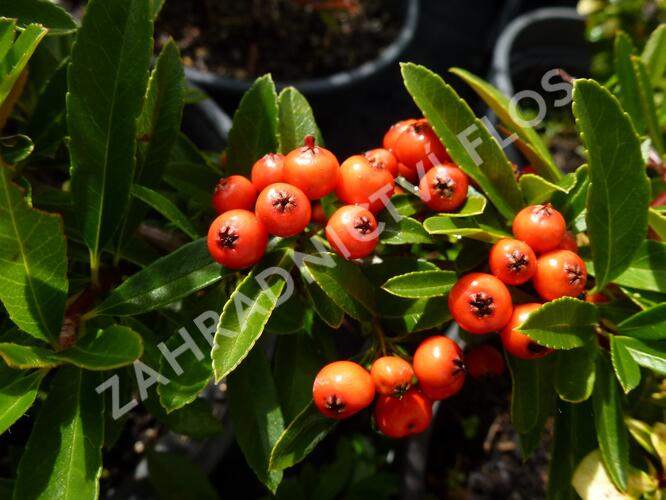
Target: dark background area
[(450, 33)]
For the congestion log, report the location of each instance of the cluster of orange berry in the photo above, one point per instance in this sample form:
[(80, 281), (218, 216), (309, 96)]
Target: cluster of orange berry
[(281, 196), (481, 303), (343, 388)]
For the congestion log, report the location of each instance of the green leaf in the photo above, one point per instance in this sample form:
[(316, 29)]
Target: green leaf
[(255, 127), (574, 437), (629, 93), (626, 369), (575, 372), (33, 281), (195, 420), (572, 204), (197, 368), (296, 364), (15, 148), (647, 104), (654, 54), (256, 415), (345, 285), (47, 126), (300, 438), (401, 232), (618, 196), (421, 284), (408, 315), (157, 129), (657, 221), (175, 477), (190, 174), (13, 58), (107, 79), (609, 422), (6, 488), (165, 207), (17, 394), (543, 405), (321, 303), (464, 228), (500, 104), (564, 323), (524, 393), (649, 354), (452, 118), (647, 270), (50, 15), (648, 325), (63, 457), (110, 348), (538, 190), (295, 120), (26, 357), (174, 276), (113, 347), (474, 205), (246, 313)]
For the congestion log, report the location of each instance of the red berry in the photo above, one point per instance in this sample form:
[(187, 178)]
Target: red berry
[(406, 416), (439, 367), (568, 243), (444, 188), (560, 273), (362, 184), (517, 343), (352, 232), (392, 375), (480, 303), (540, 226), (394, 132), (383, 158), (318, 213), (342, 388), (484, 361), (236, 239), (283, 209), (597, 298), (234, 192), (268, 170), (512, 261), (419, 145), (313, 169), (409, 174)]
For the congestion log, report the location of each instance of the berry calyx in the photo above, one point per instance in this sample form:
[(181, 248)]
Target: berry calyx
[(352, 232), (392, 375), (512, 261), (540, 226), (342, 388), (383, 159), (283, 209), (399, 418), (560, 273), (237, 239), (439, 367), (268, 170), (444, 188), (480, 303), (362, 184), (233, 192), (313, 169), (517, 343)]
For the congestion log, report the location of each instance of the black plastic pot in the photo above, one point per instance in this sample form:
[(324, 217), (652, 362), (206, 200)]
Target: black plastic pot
[(536, 42), (225, 86)]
